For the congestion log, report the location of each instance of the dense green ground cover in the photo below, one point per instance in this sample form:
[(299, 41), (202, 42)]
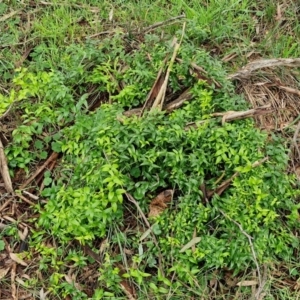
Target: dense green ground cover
[(69, 71)]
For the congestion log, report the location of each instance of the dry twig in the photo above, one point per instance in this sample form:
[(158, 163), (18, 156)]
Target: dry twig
[(4, 170), (225, 184), (237, 115), (185, 96), (264, 63), (52, 157)]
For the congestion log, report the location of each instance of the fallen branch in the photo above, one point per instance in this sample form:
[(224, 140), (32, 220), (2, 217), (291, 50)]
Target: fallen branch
[(4, 170), (50, 168), (25, 199), (294, 141), (9, 15), (178, 102), (237, 115), (161, 75), (289, 90), (185, 96), (52, 157), (264, 63), (159, 100), (139, 31), (234, 115), (6, 112), (226, 183)]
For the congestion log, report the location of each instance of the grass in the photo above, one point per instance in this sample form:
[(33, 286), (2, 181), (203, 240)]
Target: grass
[(66, 36)]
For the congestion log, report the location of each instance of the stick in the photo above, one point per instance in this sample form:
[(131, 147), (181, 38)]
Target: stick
[(154, 90), (4, 170), (199, 70), (236, 115), (224, 185), (289, 90), (9, 15), (52, 157), (185, 96), (25, 199), (178, 102), (264, 63)]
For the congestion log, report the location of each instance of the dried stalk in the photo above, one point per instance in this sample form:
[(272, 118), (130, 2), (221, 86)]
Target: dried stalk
[(225, 184), (185, 96), (264, 63), (236, 115), (159, 100), (4, 170), (52, 157)]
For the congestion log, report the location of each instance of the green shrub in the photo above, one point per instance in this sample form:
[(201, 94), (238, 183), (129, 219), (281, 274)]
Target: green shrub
[(106, 154)]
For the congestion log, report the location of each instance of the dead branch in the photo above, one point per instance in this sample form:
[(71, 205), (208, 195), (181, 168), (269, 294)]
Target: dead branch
[(138, 31), (289, 90), (132, 112), (13, 281), (6, 203), (222, 187), (264, 63), (50, 168), (6, 112), (226, 183), (237, 115), (4, 170), (234, 115), (9, 15), (185, 96), (25, 199), (52, 157), (178, 102)]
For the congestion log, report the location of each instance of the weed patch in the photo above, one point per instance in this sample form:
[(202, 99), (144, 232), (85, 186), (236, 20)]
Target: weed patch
[(136, 199), (107, 155)]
